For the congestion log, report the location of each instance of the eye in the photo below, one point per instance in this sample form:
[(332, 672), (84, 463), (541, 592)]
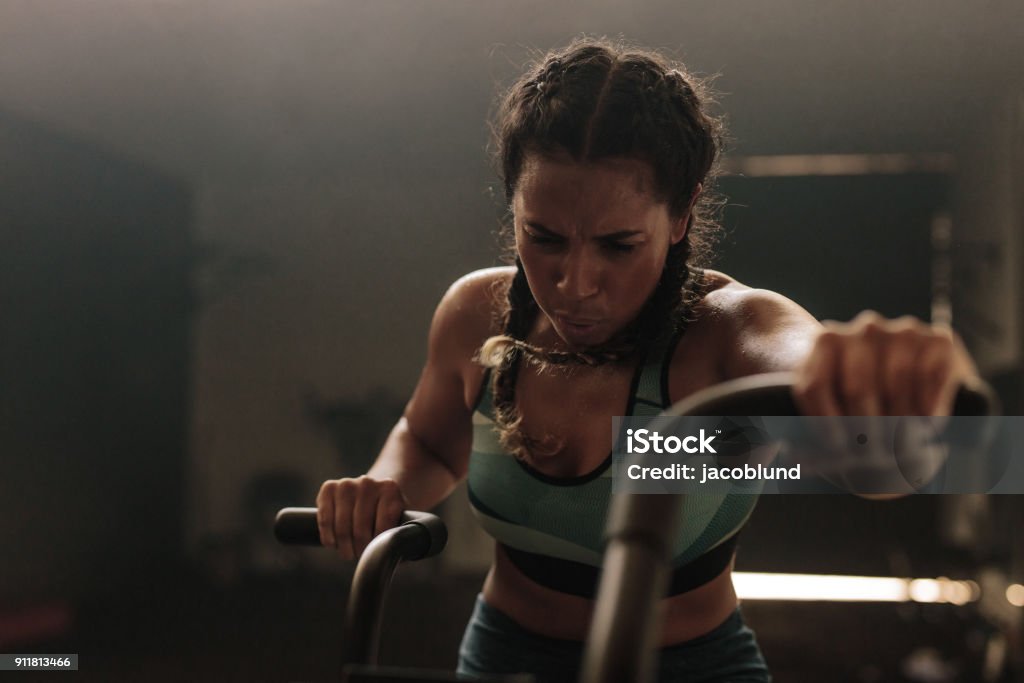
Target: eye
[(544, 240), (619, 247)]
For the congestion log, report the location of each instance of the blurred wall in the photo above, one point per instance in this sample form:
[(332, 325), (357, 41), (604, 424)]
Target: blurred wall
[(335, 158), (95, 260), (989, 237)]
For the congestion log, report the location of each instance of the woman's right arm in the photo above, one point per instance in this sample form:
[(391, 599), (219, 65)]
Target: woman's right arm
[(427, 453)]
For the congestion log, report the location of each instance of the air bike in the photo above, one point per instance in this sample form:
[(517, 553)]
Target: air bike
[(621, 644)]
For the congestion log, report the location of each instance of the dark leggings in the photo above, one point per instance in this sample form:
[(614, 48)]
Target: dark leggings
[(494, 644)]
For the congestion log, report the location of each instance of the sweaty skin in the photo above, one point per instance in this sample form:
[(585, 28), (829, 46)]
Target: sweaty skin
[(697, 362), (592, 239)]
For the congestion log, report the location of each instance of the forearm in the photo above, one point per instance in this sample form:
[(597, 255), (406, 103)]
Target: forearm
[(421, 474)]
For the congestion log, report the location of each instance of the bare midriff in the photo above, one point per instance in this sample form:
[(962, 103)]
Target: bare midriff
[(560, 615)]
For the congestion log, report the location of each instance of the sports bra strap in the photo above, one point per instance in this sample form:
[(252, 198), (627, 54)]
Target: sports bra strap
[(652, 389)]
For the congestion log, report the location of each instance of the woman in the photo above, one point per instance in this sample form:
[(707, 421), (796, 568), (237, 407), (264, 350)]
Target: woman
[(607, 157)]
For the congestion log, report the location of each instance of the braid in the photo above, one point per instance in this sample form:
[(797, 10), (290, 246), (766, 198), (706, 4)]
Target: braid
[(597, 100), (503, 354)]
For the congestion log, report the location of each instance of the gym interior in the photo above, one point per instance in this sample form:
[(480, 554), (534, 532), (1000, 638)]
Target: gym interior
[(225, 226)]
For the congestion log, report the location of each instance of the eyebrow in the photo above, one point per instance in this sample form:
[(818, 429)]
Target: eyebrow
[(618, 235)]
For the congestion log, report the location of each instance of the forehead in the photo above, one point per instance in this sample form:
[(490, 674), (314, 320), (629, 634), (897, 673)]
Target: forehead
[(619, 187)]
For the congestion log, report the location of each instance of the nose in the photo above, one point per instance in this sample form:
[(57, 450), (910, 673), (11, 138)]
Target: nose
[(580, 276)]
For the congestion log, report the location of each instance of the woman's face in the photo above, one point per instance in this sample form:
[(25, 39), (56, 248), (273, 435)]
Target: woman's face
[(593, 241)]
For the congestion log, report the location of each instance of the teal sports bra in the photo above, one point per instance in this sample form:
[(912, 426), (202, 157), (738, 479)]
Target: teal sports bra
[(552, 528)]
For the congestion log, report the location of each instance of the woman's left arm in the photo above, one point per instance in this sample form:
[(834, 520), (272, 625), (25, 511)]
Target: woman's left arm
[(868, 366)]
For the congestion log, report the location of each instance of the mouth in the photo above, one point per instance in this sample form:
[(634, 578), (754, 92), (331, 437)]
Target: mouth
[(578, 325)]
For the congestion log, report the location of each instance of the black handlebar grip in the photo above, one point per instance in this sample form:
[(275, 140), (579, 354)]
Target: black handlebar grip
[(435, 529), (976, 400), (297, 526)]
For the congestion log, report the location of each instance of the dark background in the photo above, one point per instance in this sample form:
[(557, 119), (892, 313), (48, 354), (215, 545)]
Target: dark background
[(223, 229)]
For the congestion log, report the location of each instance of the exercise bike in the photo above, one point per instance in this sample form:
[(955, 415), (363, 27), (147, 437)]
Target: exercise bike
[(621, 644)]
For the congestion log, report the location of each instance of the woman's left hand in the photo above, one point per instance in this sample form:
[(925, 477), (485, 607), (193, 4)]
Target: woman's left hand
[(876, 366)]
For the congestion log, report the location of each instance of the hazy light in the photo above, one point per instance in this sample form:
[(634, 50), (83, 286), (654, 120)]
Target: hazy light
[(837, 164), (1015, 594), (963, 592), (754, 586), (925, 590), (837, 588)]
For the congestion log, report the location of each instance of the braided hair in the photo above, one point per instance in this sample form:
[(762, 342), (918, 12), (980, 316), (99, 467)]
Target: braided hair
[(596, 100)]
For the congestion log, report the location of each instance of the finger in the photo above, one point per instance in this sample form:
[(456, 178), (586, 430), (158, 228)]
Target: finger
[(390, 506), (363, 513), (899, 368), (860, 394), (325, 513), (814, 393), (813, 387), (344, 498), (859, 387), (938, 382)]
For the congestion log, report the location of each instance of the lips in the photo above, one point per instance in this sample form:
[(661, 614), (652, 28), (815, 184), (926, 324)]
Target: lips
[(577, 321), (580, 331)]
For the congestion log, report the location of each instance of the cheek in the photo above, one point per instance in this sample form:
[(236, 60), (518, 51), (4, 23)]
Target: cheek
[(532, 260), (525, 249), (638, 281), (536, 268)]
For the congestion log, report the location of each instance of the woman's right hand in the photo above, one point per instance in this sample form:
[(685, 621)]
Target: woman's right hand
[(350, 512)]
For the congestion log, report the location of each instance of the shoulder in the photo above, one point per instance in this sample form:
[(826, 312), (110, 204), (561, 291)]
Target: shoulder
[(469, 311), (480, 287), (744, 330), (477, 298), (731, 303)]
